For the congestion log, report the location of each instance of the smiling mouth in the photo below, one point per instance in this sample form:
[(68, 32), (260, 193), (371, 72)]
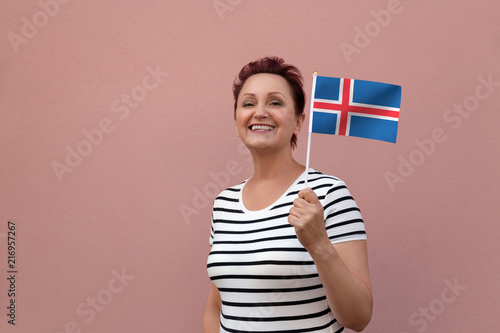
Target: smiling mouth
[(261, 128)]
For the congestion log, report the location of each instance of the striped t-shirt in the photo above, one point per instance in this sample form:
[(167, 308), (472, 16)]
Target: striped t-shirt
[(267, 280)]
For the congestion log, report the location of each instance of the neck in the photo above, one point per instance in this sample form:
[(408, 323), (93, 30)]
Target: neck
[(275, 165)]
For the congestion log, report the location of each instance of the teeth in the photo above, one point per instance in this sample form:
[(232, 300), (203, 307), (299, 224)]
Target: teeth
[(261, 128)]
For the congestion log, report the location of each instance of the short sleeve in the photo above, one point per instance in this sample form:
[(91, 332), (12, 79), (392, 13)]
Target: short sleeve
[(224, 201), (212, 230), (343, 219)]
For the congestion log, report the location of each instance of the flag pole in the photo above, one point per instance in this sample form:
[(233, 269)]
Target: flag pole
[(310, 126)]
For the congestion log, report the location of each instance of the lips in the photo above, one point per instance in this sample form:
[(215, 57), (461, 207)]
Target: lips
[(261, 127)]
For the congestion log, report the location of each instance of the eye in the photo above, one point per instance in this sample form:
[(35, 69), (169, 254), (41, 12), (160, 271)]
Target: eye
[(247, 104), (276, 103)]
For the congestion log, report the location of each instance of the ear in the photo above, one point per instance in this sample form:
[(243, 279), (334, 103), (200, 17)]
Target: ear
[(300, 122)]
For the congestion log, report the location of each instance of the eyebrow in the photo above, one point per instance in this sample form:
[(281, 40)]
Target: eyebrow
[(270, 93)]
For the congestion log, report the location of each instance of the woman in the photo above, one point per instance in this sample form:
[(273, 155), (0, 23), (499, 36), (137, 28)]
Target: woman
[(284, 258)]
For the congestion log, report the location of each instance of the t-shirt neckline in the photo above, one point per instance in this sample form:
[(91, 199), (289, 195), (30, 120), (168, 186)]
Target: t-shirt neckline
[(275, 203)]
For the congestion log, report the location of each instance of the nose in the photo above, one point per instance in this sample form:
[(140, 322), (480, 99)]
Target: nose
[(260, 112)]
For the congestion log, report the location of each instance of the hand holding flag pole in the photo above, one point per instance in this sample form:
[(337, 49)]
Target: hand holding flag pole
[(349, 107)]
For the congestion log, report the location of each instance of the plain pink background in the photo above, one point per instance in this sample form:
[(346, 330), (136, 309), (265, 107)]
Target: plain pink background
[(120, 208)]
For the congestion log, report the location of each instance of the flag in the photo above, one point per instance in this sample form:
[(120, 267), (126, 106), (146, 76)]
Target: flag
[(349, 107)]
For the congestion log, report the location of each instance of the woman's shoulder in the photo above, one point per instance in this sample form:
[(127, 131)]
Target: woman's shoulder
[(317, 178), (331, 190), (231, 192)]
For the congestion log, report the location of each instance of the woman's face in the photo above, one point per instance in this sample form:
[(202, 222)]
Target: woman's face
[(265, 114)]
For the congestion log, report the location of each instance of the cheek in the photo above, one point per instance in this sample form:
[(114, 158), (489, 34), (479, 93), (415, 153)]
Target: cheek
[(238, 118), (240, 122), (242, 116)]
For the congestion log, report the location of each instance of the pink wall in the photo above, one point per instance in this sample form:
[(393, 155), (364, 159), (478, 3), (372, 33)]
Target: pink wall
[(117, 117)]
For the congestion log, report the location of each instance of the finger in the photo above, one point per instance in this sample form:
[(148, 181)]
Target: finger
[(296, 212), (308, 195), (299, 203), (293, 218)]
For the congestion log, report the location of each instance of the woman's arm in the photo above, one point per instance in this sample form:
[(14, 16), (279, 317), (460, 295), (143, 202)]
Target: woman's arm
[(342, 268), (211, 316)]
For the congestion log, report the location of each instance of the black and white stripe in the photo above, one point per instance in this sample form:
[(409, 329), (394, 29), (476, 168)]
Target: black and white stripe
[(268, 282)]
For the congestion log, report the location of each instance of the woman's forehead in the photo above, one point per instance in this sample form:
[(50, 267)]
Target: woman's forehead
[(265, 83)]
